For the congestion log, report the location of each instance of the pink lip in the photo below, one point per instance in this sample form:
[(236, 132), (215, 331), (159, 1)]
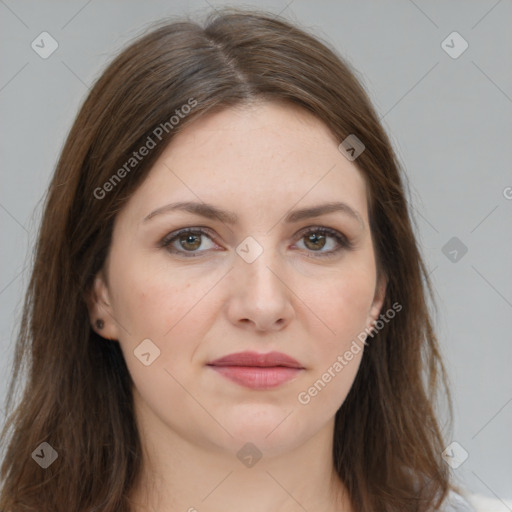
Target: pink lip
[(257, 371)]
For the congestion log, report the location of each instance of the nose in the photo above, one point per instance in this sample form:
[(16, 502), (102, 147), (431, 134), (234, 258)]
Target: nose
[(260, 297)]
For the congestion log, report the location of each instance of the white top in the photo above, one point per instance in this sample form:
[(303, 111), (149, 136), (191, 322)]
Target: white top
[(456, 503)]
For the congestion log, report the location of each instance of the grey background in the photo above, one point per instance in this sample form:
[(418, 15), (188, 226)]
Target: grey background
[(449, 120)]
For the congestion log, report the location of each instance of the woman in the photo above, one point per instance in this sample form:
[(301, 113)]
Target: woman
[(227, 308)]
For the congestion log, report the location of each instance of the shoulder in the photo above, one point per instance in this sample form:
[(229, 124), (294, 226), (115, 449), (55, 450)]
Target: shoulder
[(455, 502)]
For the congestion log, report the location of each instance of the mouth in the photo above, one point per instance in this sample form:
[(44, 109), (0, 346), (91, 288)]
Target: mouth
[(257, 371)]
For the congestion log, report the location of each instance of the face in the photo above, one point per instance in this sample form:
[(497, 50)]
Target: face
[(273, 272)]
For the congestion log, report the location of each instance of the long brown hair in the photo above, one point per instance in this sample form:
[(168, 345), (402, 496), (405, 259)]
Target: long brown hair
[(78, 398)]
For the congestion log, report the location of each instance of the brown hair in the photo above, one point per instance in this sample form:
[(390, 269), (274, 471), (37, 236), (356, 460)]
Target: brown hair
[(387, 442)]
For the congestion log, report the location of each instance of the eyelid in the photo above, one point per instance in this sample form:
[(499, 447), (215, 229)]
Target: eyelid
[(329, 231)]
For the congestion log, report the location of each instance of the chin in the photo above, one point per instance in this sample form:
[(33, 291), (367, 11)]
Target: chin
[(273, 432)]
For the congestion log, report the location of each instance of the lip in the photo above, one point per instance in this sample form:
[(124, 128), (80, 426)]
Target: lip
[(256, 359), (257, 371)]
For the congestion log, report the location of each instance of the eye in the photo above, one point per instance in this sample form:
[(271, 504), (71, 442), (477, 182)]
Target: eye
[(317, 238), (187, 240)]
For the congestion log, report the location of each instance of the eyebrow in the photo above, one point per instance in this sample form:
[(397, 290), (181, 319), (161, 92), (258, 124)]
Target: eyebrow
[(210, 211)]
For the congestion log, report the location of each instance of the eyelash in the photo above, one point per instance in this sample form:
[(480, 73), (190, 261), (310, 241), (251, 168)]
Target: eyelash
[(340, 238)]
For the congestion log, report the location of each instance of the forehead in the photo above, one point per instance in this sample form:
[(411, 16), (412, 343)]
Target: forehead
[(270, 126), (253, 157)]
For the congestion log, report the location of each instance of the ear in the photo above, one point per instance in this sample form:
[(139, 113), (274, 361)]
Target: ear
[(99, 306), (378, 301)]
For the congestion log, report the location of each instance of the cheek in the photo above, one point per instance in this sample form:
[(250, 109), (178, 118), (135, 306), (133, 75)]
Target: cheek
[(173, 309), (155, 301), (343, 303), (163, 307), (344, 309)]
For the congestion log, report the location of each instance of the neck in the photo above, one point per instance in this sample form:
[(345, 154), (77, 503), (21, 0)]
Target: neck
[(180, 474)]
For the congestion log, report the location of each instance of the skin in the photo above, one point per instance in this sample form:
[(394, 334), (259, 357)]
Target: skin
[(259, 161)]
